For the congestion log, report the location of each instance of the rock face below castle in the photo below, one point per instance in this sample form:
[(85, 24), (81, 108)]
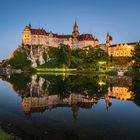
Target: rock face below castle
[(32, 36)]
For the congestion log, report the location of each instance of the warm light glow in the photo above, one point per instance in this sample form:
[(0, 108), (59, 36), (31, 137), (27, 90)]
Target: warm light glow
[(102, 62), (133, 61), (101, 83)]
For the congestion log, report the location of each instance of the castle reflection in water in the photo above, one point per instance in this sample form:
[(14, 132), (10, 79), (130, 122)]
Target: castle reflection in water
[(40, 93)]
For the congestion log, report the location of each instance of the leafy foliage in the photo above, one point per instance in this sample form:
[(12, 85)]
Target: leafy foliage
[(136, 89), (88, 57), (136, 57), (58, 57), (64, 56), (19, 60)]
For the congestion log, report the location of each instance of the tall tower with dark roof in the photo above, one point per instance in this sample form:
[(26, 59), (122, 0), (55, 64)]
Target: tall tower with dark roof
[(108, 41), (75, 32)]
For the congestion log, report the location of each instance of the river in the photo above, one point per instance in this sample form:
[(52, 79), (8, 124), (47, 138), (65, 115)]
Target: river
[(70, 107)]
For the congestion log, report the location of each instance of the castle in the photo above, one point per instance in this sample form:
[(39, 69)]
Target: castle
[(32, 36), (39, 40)]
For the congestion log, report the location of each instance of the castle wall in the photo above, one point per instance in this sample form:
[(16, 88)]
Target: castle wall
[(26, 36), (41, 37), (121, 50)]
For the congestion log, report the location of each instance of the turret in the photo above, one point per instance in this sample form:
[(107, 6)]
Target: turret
[(75, 32), (108, 42), (30, 26)]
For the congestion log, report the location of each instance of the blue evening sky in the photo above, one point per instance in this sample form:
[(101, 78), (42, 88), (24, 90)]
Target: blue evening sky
[(121, 18)]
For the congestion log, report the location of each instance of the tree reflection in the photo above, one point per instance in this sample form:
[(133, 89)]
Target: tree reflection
[(136, 89), (41, 92)]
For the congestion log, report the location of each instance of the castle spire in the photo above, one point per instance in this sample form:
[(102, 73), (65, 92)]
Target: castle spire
[(75, 32), (75, 26)]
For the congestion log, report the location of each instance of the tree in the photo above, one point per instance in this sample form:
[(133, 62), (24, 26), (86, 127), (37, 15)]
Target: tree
[(64, 55), (85, 58), (88, 57), (136, 89), (51, 57), (77, 57), (136, 57), (19, 60)]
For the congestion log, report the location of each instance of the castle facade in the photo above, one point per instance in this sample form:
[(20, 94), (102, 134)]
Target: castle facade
[(40, 39), (32, 36)]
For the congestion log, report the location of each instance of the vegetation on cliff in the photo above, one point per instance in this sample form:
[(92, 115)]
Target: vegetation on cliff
[(17, 60), (136, 57), (63, 57)]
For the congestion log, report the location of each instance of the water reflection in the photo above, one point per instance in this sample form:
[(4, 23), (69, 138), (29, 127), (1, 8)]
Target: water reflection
[(41, 92), (70, 107)]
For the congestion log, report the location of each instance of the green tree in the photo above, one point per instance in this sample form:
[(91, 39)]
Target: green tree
[(51, 57), (19, 60), (136, 89), (136, 57), (64, 55), (91, 56), (77, 57)]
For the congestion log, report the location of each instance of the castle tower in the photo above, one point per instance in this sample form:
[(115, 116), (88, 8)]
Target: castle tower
[(108, 42), (75, 32)]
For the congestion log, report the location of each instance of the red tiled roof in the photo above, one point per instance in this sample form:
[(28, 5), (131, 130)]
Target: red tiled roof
[(83, 37), (38, 32), (64, 36)]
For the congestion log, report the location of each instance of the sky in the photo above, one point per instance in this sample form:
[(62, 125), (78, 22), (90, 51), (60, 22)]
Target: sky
[(121, 18)]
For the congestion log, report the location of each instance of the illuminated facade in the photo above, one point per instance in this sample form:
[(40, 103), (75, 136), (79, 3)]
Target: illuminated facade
[(122, 50), (38, 40), (41, 37), (118, 50), (32, 36)]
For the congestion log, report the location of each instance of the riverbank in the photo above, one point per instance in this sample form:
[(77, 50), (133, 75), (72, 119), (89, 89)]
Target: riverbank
[(66, 70), (6, 136), (73, 71), (32, 70), (8, 71)]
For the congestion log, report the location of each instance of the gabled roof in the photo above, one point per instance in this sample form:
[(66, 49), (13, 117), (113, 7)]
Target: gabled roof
[(38, 32), (83, 37), (64, 36)]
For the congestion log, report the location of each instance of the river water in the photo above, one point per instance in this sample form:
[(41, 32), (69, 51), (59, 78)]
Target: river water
[(70, 107)]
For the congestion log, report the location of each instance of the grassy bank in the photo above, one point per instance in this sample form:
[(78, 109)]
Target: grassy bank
[(61, 70), (72, 71), (4, 136)]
